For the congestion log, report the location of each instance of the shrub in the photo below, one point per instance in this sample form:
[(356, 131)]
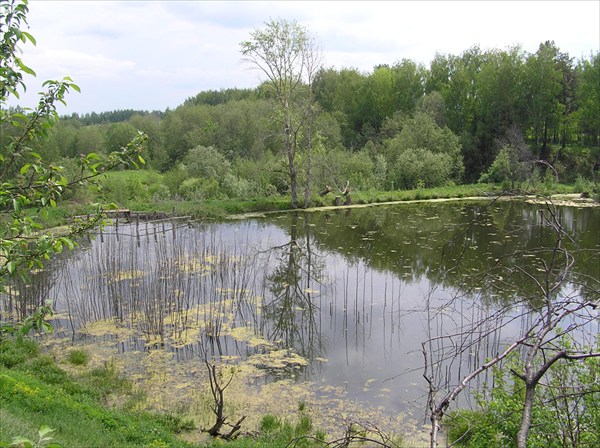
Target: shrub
[(303, 426), (421, 167), (78, 357), (270, 423), (174, 178), (44, 368), (584, 186), (197, 189)]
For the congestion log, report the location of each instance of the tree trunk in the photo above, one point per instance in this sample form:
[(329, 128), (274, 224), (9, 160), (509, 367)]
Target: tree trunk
[(545, 154), (291, 156), (436, 420), (308, 155), (526, 416)]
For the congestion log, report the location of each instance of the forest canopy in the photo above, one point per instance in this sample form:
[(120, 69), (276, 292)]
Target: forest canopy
[(396, 127)]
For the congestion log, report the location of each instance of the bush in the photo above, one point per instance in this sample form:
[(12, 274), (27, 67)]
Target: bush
[(269, 423), (574, 417), (584, 186), (198, 189), (159, 192), (174, 178), (78, 357), (421, 168), (206, 162), (16, 352)]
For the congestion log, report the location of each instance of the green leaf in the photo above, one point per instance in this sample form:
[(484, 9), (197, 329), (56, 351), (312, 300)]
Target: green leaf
[(11, 266), (22, 442), (29, 37), (23, 67), (25, 168), (68, 242), (92, 156), (45, 429)]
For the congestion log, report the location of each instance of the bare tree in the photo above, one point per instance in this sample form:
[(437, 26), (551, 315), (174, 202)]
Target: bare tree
[(217, 388), (549, 301), (287, 54)]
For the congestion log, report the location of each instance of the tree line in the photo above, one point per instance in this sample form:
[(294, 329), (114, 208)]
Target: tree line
[(397, 127)]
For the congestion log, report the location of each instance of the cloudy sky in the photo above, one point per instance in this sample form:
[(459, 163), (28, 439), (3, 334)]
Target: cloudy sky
[(152, 55)]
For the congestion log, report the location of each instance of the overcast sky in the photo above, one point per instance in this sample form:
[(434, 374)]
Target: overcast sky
[(152, 55)]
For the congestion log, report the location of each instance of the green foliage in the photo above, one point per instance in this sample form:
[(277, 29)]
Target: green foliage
[(14, 352), (270, 423), (206, 162), (421, 168), (304, 425), (44, 368), (359, 169), (421, 134), (42, 441), (121, 186), (36, 322), (566, 413), (199, 189), (506, 169), (106, 380), (78, 357)]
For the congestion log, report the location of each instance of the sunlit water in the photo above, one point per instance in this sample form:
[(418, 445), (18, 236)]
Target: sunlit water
[(343, 298)]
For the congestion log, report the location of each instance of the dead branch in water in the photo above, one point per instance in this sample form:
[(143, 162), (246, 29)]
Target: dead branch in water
[(217, 389)]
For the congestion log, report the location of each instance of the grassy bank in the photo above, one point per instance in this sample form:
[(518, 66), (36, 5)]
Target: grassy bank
[(144, 190), (94, 408), (35, 391)]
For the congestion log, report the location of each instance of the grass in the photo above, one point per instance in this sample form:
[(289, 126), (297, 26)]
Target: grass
[(35, 391)]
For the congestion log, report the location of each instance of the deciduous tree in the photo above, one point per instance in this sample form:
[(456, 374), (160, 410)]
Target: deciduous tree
[(286, 53)]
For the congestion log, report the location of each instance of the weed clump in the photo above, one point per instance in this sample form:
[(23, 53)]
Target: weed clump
[(78, 357)]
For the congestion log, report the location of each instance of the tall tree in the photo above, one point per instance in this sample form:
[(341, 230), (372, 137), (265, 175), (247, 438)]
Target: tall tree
[(499, 107), (342, 93), (286, 53), (588, 94), (544, 80), (409, 85)]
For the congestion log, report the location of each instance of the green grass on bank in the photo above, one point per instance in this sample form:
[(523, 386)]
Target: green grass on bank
[(35, 391), (144, 190)]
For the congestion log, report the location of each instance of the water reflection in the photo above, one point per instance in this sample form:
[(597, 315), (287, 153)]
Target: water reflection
[(337, 298)]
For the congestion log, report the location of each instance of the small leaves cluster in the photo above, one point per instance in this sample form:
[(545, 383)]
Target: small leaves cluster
[(43, 440)]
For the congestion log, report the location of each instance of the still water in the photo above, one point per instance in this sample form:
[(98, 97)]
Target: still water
[(345, 298)]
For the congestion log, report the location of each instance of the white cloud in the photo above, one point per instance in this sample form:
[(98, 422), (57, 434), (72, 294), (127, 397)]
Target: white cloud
[(84, 65), (155, 54)]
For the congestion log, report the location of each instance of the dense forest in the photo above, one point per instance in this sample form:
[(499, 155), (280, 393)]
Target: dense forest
[(397, 127)]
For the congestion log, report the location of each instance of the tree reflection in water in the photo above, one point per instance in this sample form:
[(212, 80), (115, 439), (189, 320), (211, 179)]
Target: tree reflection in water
[(344, 298)]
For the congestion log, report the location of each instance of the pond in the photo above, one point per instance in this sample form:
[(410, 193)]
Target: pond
[(340, 299)]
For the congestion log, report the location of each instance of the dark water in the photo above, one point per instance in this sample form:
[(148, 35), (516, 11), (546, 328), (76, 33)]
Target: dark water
[(354, 292)]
